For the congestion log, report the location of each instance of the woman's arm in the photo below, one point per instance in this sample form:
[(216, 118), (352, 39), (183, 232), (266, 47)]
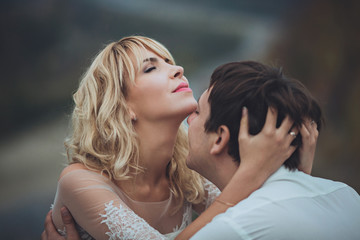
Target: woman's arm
[(274, 145), (261, 155), (96, 207)]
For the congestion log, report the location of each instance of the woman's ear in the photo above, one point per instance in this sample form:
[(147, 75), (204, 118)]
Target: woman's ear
[(220, 143), (132, 114)]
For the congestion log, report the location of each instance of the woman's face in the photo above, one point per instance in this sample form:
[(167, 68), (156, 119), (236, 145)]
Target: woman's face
[(161, 91)]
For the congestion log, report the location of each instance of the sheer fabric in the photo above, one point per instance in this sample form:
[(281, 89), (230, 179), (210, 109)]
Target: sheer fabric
[(102, 211)]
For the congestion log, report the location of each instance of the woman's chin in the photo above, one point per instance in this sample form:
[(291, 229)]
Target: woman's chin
[(192, 105), (187, 107), (178, 112), (181, 116), (190, 109)]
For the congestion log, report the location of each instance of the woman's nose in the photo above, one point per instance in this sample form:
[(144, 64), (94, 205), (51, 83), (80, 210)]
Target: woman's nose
[(177, 72)]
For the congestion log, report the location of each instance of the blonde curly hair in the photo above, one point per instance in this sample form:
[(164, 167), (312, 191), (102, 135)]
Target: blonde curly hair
[(104, 138)]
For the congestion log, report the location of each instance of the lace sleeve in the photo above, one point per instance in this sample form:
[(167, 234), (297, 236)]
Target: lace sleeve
[(123, 223), (97, 209), (212, 193)]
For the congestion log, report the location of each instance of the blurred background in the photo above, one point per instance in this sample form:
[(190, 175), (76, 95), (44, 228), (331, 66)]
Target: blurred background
[(46, 45)]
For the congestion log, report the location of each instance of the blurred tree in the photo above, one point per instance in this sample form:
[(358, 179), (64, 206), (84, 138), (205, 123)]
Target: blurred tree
[(321, 48), (47, 45)]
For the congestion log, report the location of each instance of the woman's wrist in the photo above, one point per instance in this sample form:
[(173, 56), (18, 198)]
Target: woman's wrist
[(245, 180)]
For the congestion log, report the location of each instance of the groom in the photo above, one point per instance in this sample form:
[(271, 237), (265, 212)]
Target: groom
[(290, 204)]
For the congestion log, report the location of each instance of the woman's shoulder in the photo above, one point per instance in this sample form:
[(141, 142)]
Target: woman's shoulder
[(72, 167), (81, 170)]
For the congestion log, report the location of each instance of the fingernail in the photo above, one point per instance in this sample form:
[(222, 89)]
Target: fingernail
[(64, 211), (244, 110)]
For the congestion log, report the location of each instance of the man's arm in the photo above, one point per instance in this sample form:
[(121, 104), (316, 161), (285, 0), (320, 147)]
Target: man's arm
[(50, 232)]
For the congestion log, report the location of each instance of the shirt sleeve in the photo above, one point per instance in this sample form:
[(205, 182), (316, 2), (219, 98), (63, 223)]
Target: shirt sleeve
[(97, 208)]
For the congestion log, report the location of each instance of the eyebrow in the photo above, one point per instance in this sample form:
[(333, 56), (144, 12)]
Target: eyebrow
[(152, 59)]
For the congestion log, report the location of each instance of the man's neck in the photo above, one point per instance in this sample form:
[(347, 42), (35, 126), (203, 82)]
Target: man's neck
[(225, 168)]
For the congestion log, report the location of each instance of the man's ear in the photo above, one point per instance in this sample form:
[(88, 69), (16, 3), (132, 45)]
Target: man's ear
[(220, 143)]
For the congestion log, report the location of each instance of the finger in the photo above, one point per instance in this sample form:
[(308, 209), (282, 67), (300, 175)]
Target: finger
[(290, 151), (49, 225), (43, 236), (307, 123), (294, 131), (292, 135), (314, 129), (271, 118), (286, 125), (69, 224), (311, 132), (244, 124), (305, 132), (313, 123)]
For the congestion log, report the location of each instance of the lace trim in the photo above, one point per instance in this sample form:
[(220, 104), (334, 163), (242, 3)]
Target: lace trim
[(212, 193), (123, 223), (187, 218)]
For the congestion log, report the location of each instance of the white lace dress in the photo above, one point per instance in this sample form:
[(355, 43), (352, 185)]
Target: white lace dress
[(103, 211)]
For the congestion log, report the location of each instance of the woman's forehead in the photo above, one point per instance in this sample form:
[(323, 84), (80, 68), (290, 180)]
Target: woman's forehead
[(141, 54)]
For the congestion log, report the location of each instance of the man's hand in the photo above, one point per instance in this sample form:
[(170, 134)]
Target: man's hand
[(50, 232), (309, 135)]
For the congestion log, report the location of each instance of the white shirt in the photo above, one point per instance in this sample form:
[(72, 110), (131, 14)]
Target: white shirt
[(291, 205)]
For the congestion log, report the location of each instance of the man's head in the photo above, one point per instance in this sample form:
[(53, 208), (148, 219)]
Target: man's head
[(256, 86)]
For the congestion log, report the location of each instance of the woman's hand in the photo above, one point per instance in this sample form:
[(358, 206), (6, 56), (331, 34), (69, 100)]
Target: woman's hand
[(309, 135), (266, 151), (50, 232)]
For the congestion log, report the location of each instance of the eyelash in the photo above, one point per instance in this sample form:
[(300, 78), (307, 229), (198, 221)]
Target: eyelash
[(149, 69)]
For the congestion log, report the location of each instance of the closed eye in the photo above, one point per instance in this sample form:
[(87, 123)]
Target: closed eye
[(149, 69)]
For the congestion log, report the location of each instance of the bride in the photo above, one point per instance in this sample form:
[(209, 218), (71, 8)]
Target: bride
[(127, 177)]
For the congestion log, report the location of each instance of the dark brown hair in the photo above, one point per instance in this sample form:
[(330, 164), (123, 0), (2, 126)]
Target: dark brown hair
[(257, 86)]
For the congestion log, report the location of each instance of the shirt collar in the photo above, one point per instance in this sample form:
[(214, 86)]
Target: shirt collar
[(282, 171)]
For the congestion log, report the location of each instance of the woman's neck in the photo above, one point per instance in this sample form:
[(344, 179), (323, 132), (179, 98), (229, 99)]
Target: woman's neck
[(156, 143)]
